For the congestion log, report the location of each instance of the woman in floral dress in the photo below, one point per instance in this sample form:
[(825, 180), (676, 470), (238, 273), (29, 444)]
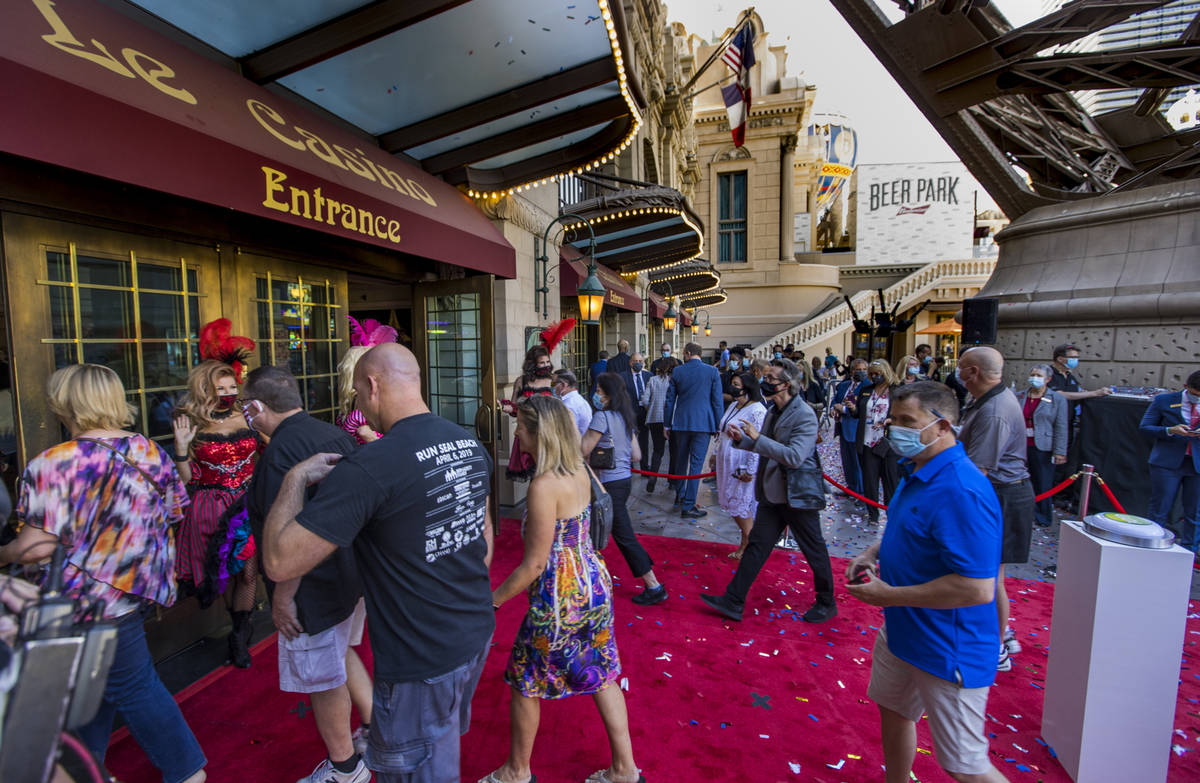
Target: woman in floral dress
[(565, 645), (736, 468)]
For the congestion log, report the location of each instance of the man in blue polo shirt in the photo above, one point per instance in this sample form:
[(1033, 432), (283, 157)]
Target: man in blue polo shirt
[(934, 572)]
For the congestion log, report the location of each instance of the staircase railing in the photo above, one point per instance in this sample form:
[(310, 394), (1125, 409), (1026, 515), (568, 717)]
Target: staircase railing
[(908, 291)]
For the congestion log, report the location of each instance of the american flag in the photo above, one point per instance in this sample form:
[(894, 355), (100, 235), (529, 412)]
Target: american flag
[(739, 56)]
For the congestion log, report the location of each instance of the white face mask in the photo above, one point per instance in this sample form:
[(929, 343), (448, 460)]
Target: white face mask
[(1036, 381)]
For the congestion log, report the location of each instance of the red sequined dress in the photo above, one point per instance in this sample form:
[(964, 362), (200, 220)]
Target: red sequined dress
[(221, 467)]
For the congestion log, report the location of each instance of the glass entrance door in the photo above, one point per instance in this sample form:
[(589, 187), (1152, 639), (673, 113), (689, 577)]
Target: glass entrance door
[(453, 342)]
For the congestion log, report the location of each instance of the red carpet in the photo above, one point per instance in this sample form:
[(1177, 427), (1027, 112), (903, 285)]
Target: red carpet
[(771, 699)]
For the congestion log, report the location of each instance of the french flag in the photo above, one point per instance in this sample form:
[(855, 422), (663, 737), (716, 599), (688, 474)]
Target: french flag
[(739, 56)]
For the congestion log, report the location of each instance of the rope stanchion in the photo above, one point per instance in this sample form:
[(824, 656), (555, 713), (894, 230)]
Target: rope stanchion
[(854, 494), (1108, 493), (671, 476), (1059, 488)]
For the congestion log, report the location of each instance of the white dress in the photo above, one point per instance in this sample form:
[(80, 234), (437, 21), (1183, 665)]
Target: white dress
[(735, 496)]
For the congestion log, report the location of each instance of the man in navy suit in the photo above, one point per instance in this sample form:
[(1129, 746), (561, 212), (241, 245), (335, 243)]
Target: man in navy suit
[(1173, 421), (692, 414), (636, 378), (846, 427), (597, 369)]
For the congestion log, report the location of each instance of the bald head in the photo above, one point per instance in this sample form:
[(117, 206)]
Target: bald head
[(387, 385), (980, 368)]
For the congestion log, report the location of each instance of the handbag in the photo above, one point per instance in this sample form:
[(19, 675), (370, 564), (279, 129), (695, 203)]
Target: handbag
[(600, 526), (603, 457)]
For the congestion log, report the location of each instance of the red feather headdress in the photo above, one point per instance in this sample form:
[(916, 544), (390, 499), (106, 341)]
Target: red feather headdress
[(370, 332), (217, 341), (553, 334)]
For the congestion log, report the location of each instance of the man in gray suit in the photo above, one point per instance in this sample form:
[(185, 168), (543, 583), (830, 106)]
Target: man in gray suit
[(790, 492)]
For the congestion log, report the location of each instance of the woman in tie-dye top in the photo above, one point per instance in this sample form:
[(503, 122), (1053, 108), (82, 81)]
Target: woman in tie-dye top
[(110, 497)]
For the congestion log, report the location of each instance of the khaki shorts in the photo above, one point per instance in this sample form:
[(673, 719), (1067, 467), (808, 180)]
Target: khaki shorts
[(311, 663), (956, 714)]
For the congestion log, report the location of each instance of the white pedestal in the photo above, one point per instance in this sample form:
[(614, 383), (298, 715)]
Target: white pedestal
[(1116, 642)]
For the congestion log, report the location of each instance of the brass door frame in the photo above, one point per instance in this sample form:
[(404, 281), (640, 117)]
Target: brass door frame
[(27, 239), (487, 425)]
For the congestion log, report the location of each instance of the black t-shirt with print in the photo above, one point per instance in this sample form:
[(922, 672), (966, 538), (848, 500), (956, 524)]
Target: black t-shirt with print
[(1063, 382), (413, 505)]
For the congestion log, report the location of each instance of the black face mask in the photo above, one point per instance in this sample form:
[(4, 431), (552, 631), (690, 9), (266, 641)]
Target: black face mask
[(768, 388), (544, 371), (875, 379), (860, 375), (740, 391)]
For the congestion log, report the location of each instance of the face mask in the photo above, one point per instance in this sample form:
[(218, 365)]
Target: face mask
[(875, 379), (1036, 381), (746, 363), (252, 409), (1194, 399), (913, 370), (769, 388), (860, 375), (666, 354), (740, 391), (543, 371), (907, 441), (637, 366), (599, 403), (1073, 362), (778, 355), (226, 401)]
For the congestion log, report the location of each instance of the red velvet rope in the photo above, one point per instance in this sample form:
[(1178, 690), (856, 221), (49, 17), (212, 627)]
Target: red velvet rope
[(854, 494), (1056, 490), (1111, 497), (671, 476)]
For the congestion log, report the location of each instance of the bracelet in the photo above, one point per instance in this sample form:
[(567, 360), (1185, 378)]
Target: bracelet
[(178, 458)]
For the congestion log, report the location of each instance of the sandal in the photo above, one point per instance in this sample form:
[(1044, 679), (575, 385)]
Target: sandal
[(601, 776), (491, 778)]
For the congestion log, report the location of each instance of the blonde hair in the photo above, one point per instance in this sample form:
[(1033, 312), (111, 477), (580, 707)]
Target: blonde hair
[(90, 397), (558, 447), (902, 367), (201, 397), (346, 377), (883, 368)]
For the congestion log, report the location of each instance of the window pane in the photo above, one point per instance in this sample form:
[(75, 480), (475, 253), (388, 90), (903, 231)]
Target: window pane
[(165, 364), (724, 255), (316, 325), (739, 246), (103, 271), (164, 278), (320, 393), (319, 358), (193, 281), (63, 355), (723, 191), (159, 407), (106, 314), (162, 315), (739, 196), (194, 316), (58, 266), (121, 357), (62, 325)]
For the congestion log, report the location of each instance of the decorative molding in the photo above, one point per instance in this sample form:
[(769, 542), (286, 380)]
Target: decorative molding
[(518, 211), (788, 143), (732, 153)]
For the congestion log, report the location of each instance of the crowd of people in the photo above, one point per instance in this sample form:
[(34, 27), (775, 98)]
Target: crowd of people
[(384, 521)]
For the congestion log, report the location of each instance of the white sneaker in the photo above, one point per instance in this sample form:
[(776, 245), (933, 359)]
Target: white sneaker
[(360, 737), (1004, 663), (1010, 642), (325, 773)]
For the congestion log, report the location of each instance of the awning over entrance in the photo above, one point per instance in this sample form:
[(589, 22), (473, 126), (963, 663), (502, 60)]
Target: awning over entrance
[(690, 278), (709, 299), (492, 95), (135, 107), (639, 226), (658, 305), (945, 327), (618, 293)]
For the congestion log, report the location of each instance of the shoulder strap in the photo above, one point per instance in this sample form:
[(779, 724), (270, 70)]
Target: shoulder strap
[(129, 462)]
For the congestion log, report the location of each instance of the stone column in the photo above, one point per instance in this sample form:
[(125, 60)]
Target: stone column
[(787, 189)]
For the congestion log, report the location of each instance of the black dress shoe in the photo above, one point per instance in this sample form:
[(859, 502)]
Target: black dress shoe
[(650, 485), (651, 596), (819, 613), (723, 605), (693, 513)]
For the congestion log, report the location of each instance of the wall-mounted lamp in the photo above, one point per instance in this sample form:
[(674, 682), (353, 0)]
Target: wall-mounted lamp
[(591, 291)]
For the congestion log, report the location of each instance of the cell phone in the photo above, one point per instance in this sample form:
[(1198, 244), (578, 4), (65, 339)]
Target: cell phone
[(862, 576)]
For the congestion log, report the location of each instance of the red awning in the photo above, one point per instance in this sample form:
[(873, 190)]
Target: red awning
[(658, 305), (684, 318), (574, 271), (135, 107)]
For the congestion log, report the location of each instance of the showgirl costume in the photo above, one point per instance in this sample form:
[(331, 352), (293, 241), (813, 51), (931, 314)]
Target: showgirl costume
[(522, 466), (214, 540), (368, 333)]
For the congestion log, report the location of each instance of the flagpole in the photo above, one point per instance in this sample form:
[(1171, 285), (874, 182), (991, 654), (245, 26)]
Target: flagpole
[(717, 83), (718, 51)]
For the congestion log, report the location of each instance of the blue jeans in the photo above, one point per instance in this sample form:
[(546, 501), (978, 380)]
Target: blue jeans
[(850, 464), (416, 725), (153, 717), (1165, 486), (1041, 475), (689, 448)]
